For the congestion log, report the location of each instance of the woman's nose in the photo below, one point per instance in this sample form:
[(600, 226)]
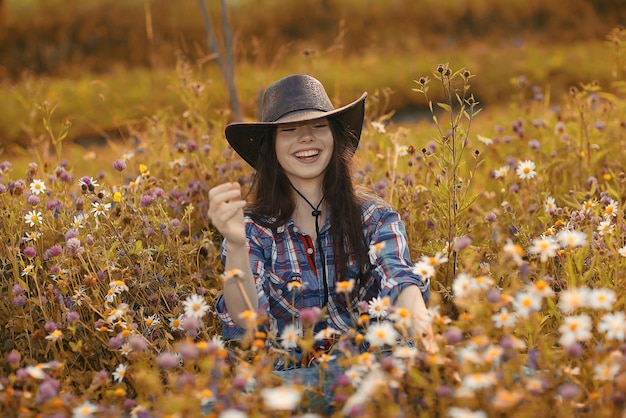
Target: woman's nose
[(306, 133)]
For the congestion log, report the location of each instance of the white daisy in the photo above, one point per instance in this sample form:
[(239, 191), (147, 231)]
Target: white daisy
[(526, 170), (344, 286), (549, 205), (34, 236), (572, 299), (376, 250), (28, 270), (355, 374), (79, 221), (55, 335), (85, 410), (402, 151), (613, 324), (233, 413), (576, 328), (478, 381), (501, 172), (423, 269), (33, 218), (526, 302), (435, 260), (544, 247), (283, 398), (152, 321), (462, 285), (195, 306), (99, 208), (326, 333), (381, 334), (405, 352), (611, 209), (119, 373), (380, 127), (126, 349), (456, 412), (622, 251), (493, 353), (571, 238), (482, 282), (290, 337), (379, 307), (605, 227), (541, 288), (602, 298), (504, 319), (401, 316), (605, 372), (485, 140), (37, 187), (588, 205)]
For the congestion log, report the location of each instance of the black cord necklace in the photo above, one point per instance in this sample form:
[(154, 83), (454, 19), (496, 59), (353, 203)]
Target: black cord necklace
[(317, 212)]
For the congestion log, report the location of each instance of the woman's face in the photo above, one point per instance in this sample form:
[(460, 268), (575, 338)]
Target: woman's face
[(304, 150)]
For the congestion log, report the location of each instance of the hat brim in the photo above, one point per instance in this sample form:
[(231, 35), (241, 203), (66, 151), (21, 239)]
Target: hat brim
[(246, 137)]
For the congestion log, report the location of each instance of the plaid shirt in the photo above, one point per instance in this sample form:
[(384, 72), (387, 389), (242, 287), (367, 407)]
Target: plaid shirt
[(283, 256)]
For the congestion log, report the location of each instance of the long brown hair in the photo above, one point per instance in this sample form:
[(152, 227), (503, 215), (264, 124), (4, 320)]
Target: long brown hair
[(273, 199)]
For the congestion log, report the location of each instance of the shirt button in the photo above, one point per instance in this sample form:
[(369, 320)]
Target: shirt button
[(295, 229), (309, 250)]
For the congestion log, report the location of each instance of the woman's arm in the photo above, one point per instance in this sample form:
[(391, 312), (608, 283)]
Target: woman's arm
[(226, 213), (411, 299)]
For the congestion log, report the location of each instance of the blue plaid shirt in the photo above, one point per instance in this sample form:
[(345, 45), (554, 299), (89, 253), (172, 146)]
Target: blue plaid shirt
[(280, 257)]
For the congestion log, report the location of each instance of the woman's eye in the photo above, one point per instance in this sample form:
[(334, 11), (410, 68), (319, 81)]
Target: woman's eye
[(287, 129), (320, 125)]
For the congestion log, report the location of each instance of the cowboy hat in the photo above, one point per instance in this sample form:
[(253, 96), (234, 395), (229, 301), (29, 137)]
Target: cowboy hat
[(296, 98)]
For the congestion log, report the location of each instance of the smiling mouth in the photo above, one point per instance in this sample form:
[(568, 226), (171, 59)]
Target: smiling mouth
[(307, 154)]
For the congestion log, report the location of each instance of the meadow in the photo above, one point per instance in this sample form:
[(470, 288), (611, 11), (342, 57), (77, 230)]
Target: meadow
[(110, 268)]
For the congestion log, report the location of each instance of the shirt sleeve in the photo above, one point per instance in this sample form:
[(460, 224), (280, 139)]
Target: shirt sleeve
[(259, 258), (390, 259)]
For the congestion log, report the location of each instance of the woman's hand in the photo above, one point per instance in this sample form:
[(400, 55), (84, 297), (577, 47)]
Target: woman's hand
[(226, 212)]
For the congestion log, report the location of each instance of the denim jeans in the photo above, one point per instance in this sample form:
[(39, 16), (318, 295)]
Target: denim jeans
[(319, 383)]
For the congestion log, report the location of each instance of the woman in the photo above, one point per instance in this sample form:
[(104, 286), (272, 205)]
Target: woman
[(307, 228)]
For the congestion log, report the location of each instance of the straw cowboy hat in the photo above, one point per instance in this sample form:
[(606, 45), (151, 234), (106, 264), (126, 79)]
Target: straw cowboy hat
[(296, 98)]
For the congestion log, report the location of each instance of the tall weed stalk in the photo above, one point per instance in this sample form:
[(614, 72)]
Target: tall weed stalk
[(454, 165)]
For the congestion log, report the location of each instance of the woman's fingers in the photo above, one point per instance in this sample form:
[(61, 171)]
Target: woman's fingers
[(224, 193), (226, 211)]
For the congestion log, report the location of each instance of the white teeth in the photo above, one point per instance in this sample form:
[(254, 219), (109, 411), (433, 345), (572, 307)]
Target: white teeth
[(307, 153)]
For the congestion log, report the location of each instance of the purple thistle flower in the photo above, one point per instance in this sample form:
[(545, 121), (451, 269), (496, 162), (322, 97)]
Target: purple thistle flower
[(73, 247), (167, 360), (73, 317), (47, 390), (53, 251), (119, 165), (33, 200), (534, 145), (146, 200), (14, 357), (115, 342), (569, 391), (30, 252), (50, 326), (19, 300)]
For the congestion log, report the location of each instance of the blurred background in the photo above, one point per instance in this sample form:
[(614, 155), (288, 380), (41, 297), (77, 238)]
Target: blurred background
[(110, 63)]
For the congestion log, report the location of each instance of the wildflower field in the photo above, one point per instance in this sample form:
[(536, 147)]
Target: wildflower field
[(110, 271)]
